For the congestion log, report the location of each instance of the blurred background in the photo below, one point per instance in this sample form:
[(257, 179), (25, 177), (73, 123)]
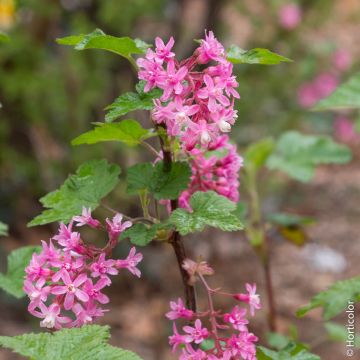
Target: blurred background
[(50, 94)]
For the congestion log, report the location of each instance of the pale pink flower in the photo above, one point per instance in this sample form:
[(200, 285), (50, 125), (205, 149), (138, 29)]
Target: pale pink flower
[(251, 298), (51, 316), (86, 219), (71, 289), (290, 16), (131, 262), (178, 310), (116, 227), (196, 334)]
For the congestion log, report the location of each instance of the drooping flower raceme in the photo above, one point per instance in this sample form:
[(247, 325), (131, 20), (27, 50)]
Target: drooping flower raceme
[(65, 283), (228, 331), (197, 108)]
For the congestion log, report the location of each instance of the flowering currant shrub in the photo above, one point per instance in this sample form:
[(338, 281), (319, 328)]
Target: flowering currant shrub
[(192, 182)]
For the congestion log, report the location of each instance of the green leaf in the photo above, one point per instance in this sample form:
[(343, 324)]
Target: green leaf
[(139, 234), (241, 211), (335, 299), (292, 351), (285, 219), (237, 55), (162, 184), (3, 229), (92, 182), (339, 333), (297, 155), (346, 96), (89, 342), (4, 37), (277, 341), (208, 208), (257, 153), (128, 131), (131, 101), (12, 282), (123, 46)]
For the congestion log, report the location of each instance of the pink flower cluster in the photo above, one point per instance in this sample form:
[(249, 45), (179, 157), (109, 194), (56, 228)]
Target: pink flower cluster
[(313, 91), (228, 332), (290, 16), (344, 130), (217, 171), (65, 282), (197, 107)]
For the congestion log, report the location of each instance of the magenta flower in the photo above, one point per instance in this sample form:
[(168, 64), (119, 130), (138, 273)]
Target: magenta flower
[(94, 290), (36, 269), (131, 262), (178, 310), (342, 60), (103, 267), (66, 263), (242, 345), (173, 81), (51, 316), (251, 298), (176, 339), (214, 93), (237, 318), (86, 219), (210, 49), (196, 334), (162, 52), (71, 289), (116, 227)]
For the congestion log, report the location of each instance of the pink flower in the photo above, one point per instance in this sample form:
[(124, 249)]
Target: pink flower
[(116, 227), (290, 16), (131, 262), (342, 60), (69, 240), (36, 269), (196, 334), (345, 131), (178, 310), (66, 263), (86, 219), (51, 316), (307, 95), (102, 267), (176, 339), (94, 290), (71, 289), (237, 318), (162, 52), (325, 84), (173, 81), (251, 298), (243, 345), (214, 93), (210, 49), (37, 293)]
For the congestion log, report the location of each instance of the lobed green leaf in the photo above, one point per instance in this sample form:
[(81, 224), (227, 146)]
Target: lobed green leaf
[(346, 96), (128, 131), (97, 39), (89, 342), (208, 208), (237, 55), (298, 155), (132, 101), (92, 182), (335, 299), (12, 282), (154, 179), (292, 351)]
